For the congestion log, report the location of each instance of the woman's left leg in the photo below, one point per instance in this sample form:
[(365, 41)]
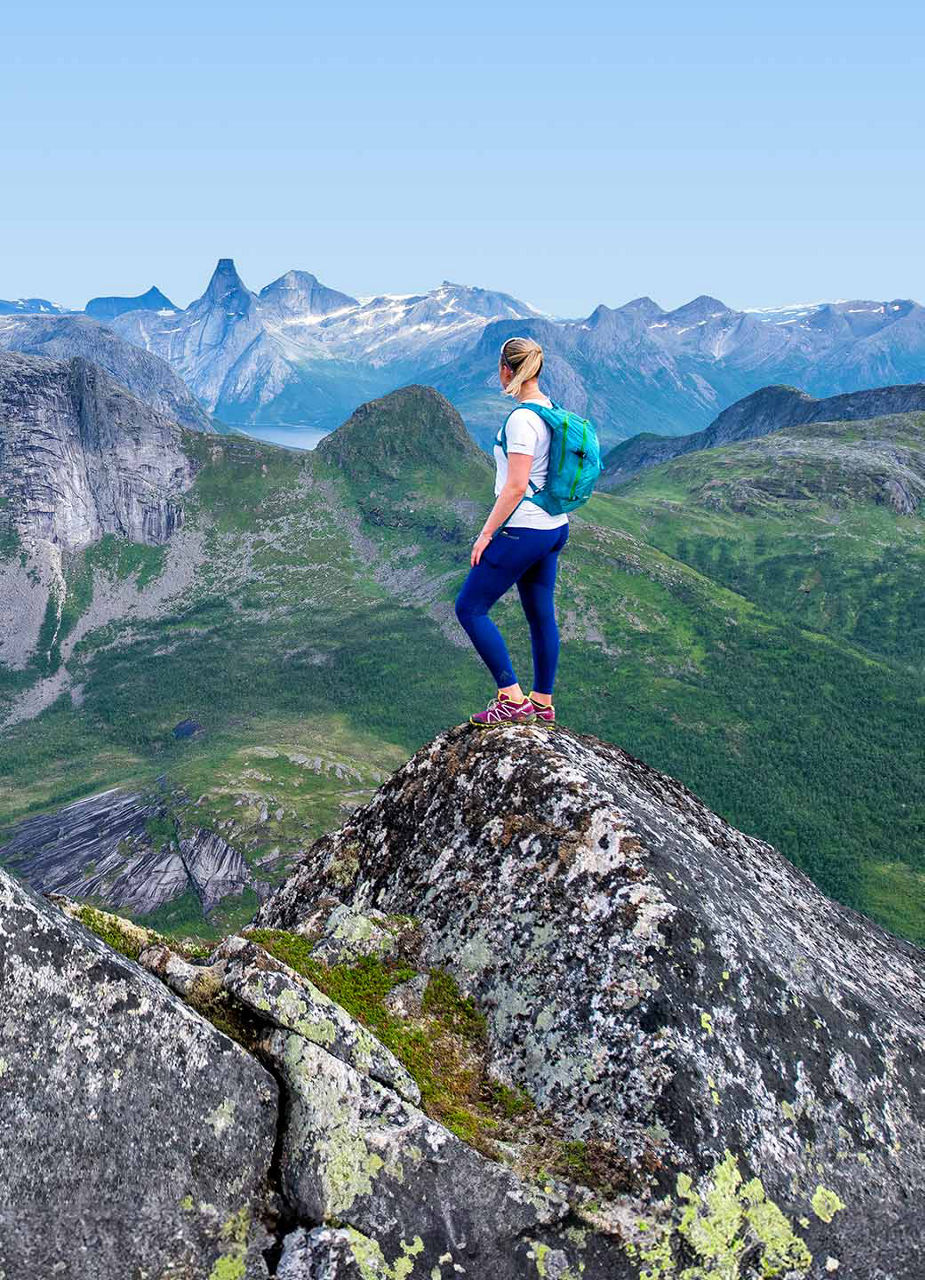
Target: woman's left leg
[(484, 587)]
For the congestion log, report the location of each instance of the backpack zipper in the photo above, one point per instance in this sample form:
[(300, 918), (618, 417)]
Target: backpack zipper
[(581, 462), (564, 438)]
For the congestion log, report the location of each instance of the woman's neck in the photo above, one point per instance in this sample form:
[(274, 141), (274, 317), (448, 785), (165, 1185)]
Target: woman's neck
[(531, 391)]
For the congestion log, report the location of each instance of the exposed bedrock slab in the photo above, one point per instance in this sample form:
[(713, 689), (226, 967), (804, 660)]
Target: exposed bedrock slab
[(100, 848)]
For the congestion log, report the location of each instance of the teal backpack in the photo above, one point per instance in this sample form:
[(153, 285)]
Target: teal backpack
[(574, 458)]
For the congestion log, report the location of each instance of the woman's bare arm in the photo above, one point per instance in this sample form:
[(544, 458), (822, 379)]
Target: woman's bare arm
[(518, 477)]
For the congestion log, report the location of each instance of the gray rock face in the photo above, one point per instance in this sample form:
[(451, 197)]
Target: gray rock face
[(81, 457), (141, 372), (353, 1152), (99, 848), (136, 1138), (283, 999), (767, 410), (655, 978)]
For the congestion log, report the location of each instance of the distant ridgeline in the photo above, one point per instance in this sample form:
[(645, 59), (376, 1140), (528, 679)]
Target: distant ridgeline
[(748, 618), (300, 352), (767, 410)]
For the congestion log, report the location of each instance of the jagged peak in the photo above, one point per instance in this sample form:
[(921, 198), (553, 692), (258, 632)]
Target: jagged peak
[(225, 281)]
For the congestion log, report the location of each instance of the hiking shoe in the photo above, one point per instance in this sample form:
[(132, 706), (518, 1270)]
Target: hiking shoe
[(544, 715), (504, 710)]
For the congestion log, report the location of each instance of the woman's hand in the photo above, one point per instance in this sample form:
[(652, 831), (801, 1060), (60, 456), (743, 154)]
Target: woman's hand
[(479, 546)]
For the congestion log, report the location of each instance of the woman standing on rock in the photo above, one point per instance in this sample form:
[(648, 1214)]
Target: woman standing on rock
[(525, 531)]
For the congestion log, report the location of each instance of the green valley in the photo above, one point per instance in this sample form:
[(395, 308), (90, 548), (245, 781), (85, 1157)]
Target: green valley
[(743, 618)]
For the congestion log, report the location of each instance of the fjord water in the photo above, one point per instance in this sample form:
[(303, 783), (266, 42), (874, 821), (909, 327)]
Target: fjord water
[(291, 437)]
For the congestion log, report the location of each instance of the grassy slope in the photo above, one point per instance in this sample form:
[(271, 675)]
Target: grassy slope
[(320, 626)]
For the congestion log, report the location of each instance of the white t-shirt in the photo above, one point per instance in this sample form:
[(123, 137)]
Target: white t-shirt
[(527, 433)]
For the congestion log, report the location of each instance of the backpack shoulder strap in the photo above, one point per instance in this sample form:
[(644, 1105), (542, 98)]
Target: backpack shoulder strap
[(501, 439)]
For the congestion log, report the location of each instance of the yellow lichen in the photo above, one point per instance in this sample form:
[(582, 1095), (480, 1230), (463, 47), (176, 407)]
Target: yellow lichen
[(717, 1224), (825, 1203)]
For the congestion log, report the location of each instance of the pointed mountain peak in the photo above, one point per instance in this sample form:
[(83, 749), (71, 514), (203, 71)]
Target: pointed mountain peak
[(290, 280), (600, 313), (109, 308), (225, 280), (644, 307), (299, 293)]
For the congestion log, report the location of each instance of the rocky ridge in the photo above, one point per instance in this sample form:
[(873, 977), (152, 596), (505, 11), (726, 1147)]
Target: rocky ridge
[(661, 982), (144, 374)]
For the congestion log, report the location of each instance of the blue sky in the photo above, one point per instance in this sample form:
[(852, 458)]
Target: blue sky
[(569, 153)]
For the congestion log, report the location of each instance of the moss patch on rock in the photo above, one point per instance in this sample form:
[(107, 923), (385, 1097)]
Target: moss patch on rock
[(445, 1050)]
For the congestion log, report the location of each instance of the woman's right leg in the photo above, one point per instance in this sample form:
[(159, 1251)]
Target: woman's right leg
[(537, 595)]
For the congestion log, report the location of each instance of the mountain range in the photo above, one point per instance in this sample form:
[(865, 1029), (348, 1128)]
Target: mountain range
[(764, 411), (300, 352), (242, 639)]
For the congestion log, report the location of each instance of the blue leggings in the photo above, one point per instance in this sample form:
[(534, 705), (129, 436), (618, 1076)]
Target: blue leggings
[(529, 558)]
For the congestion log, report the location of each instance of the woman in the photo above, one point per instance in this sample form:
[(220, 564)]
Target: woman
[(519, 542)]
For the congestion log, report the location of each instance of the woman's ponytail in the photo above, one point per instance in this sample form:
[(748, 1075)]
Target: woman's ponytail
[(524, 358)]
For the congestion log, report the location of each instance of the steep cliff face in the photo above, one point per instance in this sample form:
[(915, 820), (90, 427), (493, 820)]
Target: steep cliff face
[(662, 983), (80, 457)]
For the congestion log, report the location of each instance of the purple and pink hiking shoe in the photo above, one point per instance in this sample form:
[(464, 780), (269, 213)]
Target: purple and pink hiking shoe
[(544, 715), (504, 710)]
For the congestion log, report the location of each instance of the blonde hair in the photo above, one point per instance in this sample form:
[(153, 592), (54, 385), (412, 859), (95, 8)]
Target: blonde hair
[(524, 358)]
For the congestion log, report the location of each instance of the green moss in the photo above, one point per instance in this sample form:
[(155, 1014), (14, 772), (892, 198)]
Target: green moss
[(510, 1102), (232, 1264), (127, 936), (123, 936), (458, 1013), (444, 1051)]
